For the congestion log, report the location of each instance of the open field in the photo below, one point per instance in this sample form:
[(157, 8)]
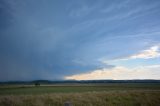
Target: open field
[(72, 88), (116, 94)]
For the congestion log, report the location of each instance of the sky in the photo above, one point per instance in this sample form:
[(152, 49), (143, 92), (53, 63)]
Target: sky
[(79, 39)]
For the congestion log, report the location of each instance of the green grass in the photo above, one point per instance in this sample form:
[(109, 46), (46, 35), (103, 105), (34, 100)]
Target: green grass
[(129, 94), (5, 90)]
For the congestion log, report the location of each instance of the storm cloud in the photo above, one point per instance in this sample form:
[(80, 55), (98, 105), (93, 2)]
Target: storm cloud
[(45, 39)]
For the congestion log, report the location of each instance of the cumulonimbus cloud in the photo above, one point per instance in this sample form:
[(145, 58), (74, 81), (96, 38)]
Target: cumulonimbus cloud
[(119, 72)]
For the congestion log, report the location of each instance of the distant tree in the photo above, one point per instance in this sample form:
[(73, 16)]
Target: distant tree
[(37, 84)]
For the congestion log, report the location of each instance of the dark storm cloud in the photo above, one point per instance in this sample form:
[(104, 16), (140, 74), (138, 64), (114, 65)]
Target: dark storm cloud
[(51, 39), (31, 50)]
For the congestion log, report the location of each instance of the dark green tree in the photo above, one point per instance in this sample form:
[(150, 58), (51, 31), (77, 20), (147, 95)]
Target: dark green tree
[(37, 84)]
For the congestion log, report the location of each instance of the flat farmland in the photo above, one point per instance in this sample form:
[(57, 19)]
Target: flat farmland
[(111, 94)]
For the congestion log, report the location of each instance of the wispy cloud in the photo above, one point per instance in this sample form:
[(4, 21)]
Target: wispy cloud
[(119, 72), (115, 6), (101, 23), (150, 53), (153, 52), (126, 10), (82, 9)]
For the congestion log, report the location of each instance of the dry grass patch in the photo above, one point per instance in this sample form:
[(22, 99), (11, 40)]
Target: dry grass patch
[(111, 98)]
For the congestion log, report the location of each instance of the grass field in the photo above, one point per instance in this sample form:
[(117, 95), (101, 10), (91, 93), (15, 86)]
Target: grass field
[(121, 94)]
